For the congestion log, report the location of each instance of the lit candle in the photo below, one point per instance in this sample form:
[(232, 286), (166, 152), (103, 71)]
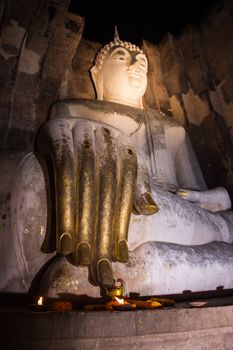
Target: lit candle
[(122, 305), (39, 305), (40, 301)]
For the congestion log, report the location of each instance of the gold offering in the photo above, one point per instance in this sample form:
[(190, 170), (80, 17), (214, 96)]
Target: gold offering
[(114, 292)]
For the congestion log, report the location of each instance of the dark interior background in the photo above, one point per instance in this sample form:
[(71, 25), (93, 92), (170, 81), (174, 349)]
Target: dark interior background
[(149, 20)]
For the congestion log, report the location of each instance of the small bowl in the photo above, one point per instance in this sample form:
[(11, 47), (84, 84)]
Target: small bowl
[(114, 292), (37, 307)]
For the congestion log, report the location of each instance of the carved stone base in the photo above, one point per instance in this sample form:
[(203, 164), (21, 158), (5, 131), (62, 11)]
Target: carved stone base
[(182, 328)]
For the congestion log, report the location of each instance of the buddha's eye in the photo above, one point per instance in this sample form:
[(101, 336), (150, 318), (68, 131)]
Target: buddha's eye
[(142, 61), (143, 65), (120, 55)]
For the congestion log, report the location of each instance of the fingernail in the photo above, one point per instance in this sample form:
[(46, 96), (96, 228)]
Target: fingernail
[(83, 254), (182, 193), (65, 244), (121, 251), (104, 272), (151, 207)]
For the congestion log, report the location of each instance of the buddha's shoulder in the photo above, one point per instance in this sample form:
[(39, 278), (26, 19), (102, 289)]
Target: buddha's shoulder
[(161, 118), (82, 106), (125, 118)]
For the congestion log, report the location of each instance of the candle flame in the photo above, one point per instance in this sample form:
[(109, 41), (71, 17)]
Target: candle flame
[(120, 301), (40, 301)]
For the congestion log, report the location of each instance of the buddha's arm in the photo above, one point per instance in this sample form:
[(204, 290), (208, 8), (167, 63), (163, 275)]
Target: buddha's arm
[(188, 171), (192, 184)]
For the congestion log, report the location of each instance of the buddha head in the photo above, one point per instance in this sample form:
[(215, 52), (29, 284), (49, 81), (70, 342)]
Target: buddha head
[(120, 73)]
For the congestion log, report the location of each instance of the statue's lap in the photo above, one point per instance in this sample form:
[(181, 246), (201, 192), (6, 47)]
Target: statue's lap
[(153, 267)]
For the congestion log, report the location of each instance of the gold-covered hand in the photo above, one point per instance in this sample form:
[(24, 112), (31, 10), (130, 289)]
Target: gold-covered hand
[(94, 175)]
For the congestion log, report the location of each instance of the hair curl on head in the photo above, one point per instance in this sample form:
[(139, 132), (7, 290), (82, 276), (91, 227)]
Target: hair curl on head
[(103, 52)]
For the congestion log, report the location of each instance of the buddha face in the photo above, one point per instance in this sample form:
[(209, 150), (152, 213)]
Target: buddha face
[(122, 77)]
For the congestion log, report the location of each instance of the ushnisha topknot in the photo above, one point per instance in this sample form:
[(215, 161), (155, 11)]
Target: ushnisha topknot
[(113, 44)]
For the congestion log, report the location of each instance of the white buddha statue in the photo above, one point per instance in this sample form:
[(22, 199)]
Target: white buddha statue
[(171, 202), (130, 198)]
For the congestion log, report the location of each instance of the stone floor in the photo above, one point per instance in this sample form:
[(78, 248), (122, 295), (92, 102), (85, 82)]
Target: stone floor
[(182, 327)]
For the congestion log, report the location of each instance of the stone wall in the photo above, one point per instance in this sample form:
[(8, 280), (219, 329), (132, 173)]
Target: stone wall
[(38, 41)]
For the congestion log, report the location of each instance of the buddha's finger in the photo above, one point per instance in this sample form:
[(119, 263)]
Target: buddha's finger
[(126, 185), (186, 194), (107, 191), (55, 142), (215, 199), (143, 201), (84, 144)]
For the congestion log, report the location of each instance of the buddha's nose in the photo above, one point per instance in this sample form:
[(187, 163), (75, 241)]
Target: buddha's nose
[(133, 59)]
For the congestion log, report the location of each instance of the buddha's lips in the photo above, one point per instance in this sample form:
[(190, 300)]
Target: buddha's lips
[(135, 74)]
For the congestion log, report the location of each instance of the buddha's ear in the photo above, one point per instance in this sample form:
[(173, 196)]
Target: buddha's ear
[(141, 103), (98, 81)]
